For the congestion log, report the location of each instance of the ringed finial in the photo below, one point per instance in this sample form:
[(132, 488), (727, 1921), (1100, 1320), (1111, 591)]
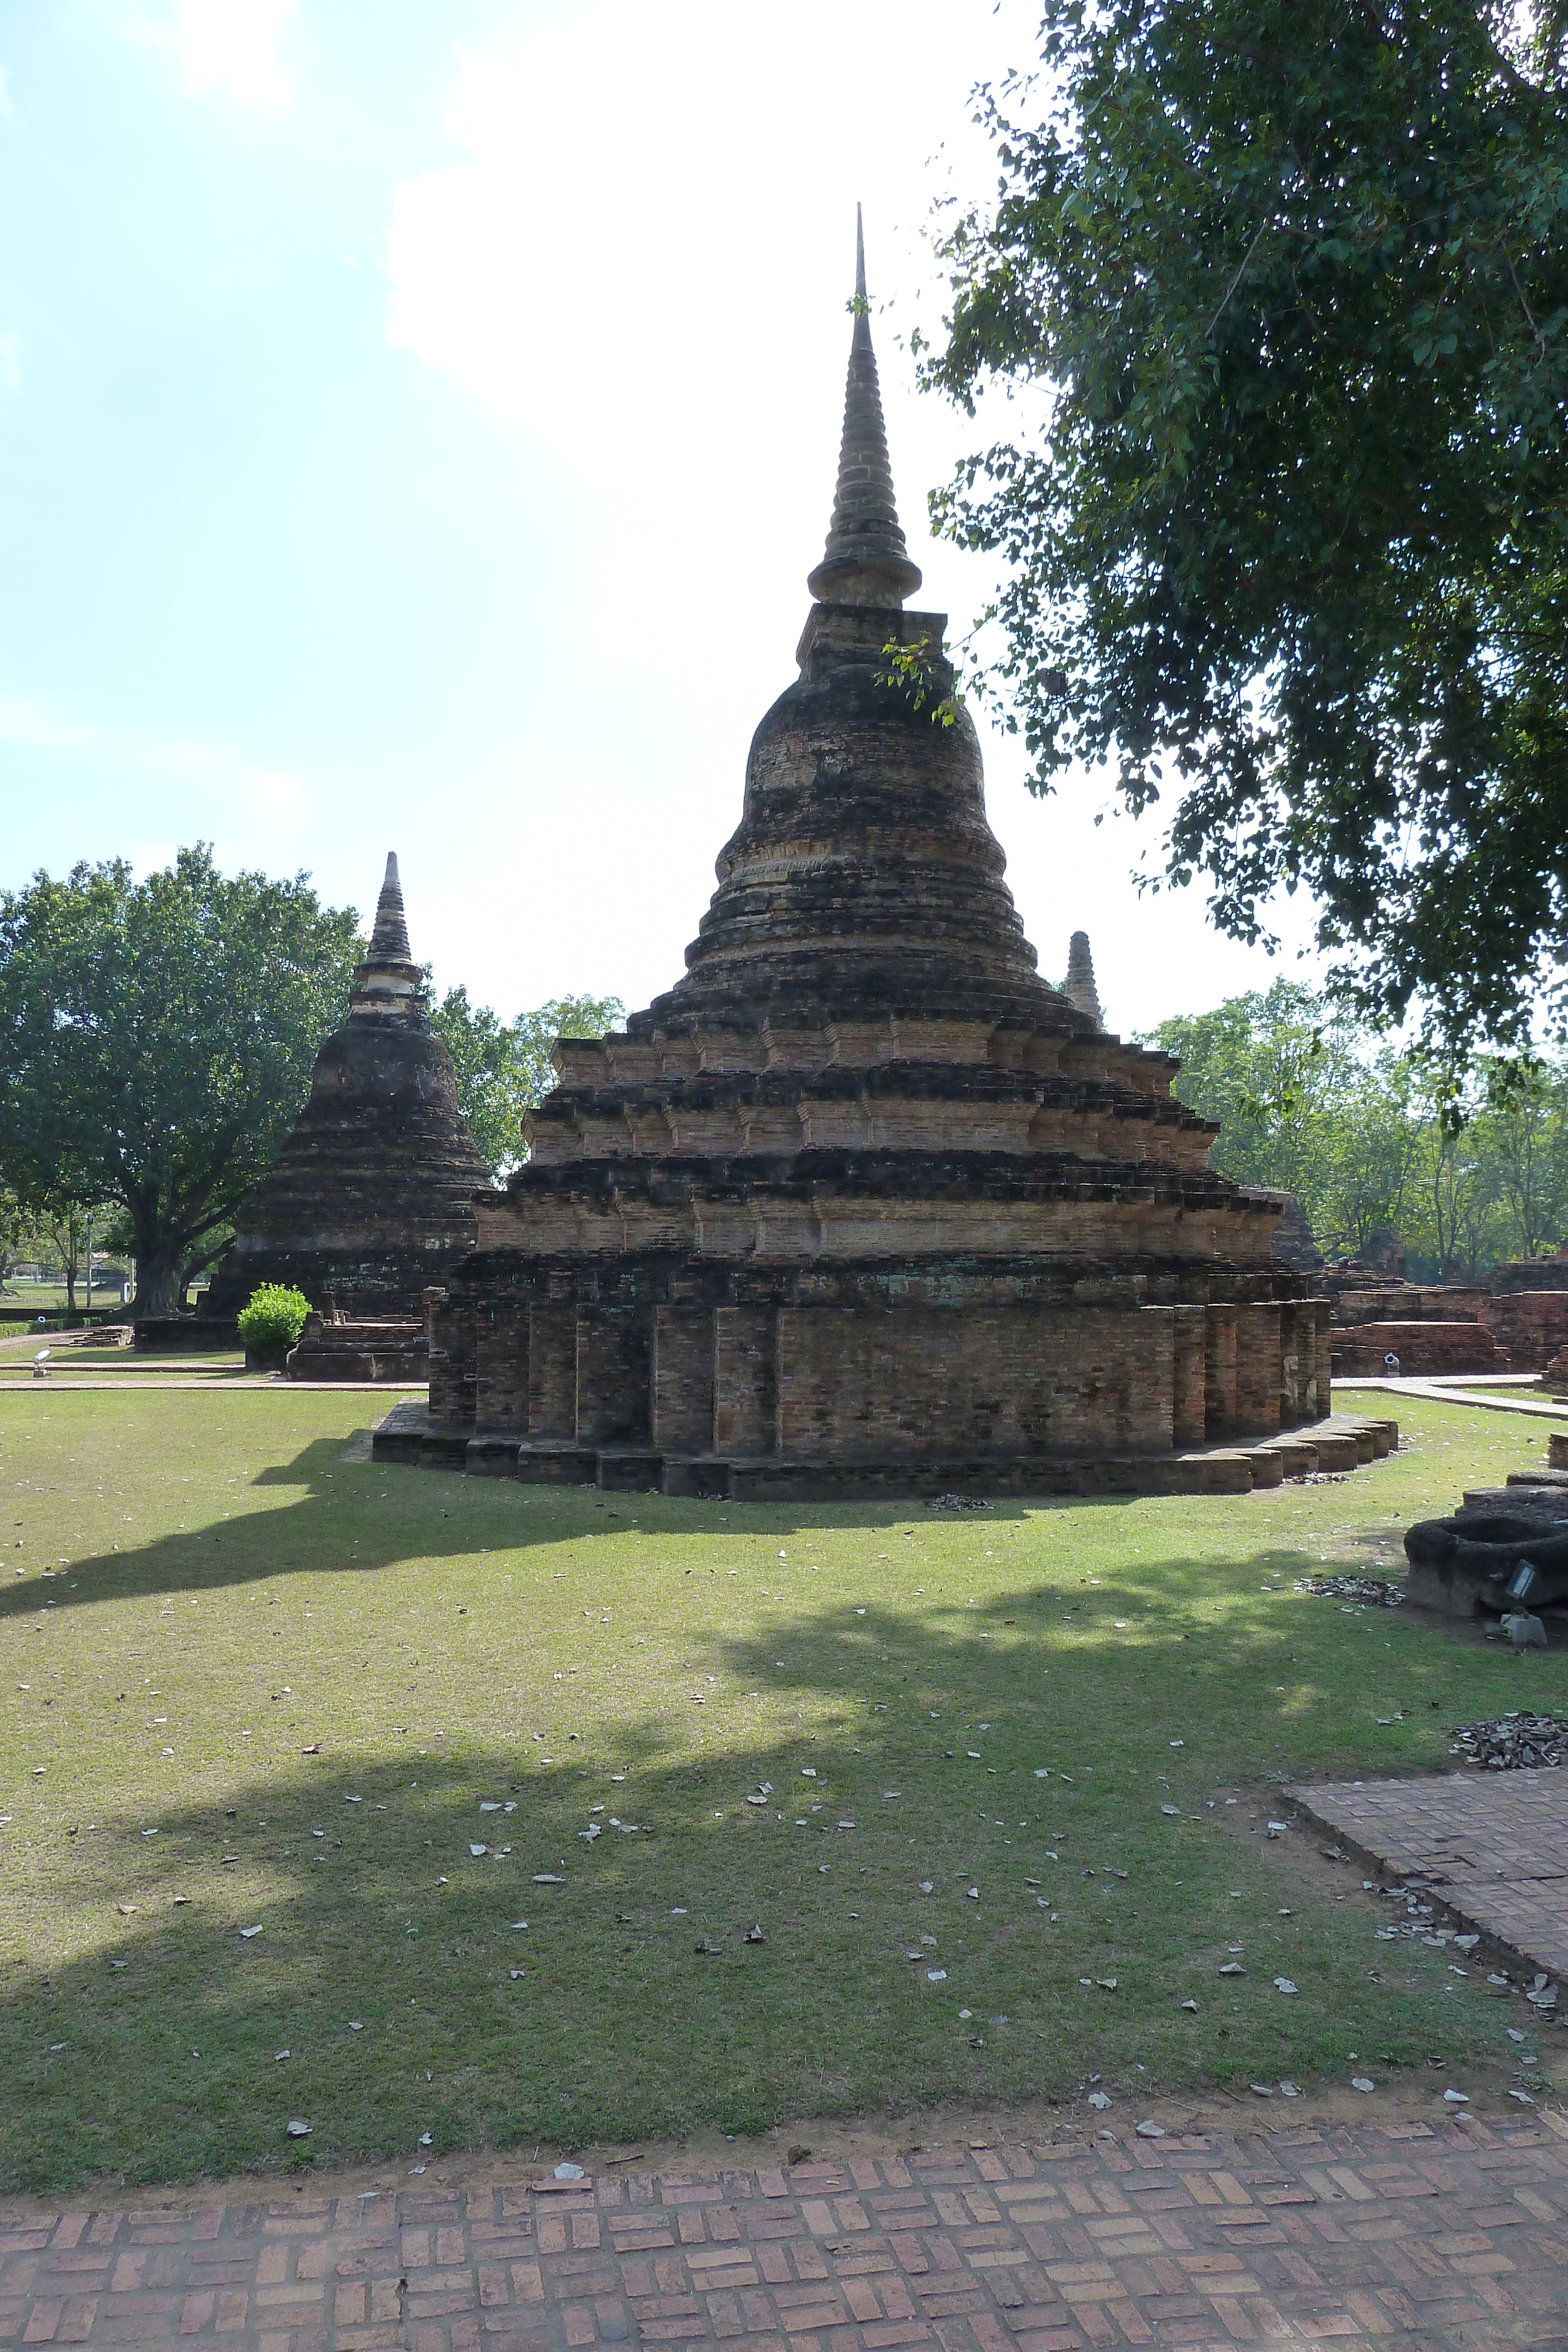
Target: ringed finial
[(389, 938), (866, 560)]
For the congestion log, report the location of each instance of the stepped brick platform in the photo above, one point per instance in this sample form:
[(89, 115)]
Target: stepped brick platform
[(864, 1204), (410, 1433), (370, 1199), (1532, 1325)]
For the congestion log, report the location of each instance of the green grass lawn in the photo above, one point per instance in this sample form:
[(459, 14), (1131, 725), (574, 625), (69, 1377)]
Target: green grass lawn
[(69, 1362), (247, 1682)]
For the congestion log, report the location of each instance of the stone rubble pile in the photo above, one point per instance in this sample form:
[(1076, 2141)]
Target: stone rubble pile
[(1353, 1588), (1517, 1742)]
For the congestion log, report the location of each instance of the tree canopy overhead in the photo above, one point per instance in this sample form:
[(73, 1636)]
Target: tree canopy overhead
[(1291, 543), (156, 1039)]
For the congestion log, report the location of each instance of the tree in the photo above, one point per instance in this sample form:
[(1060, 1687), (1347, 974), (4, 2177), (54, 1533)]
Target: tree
[(16, 1227), (155, 1040), (1471, 1167), (1305, 1103), (1525, 1124), (1292, 277), (504, 1069)]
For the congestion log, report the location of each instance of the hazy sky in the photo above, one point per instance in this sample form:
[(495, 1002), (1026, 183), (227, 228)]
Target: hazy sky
[(417, 419)]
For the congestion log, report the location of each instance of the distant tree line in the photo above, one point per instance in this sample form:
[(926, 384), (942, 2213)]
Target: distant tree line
[(157, 1039), (1472, 1171)]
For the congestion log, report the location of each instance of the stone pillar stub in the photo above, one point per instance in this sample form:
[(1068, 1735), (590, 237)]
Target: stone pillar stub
[(1258, 1368), (1189, 1398), (1219, 1371)]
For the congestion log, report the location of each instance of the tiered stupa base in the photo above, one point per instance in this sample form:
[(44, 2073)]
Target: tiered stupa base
[(923, 1294), (1340, 1442)]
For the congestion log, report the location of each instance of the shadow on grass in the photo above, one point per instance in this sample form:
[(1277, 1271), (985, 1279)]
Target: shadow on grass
[(967, 1797), (354, 1517)]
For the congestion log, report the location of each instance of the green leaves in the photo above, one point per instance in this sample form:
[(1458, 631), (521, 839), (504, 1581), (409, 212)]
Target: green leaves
[(1471, 1169), (155, 1040), (1291, 527), (504, 1069)]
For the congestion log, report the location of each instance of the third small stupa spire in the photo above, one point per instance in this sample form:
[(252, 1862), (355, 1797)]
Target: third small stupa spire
[(1079, 986)]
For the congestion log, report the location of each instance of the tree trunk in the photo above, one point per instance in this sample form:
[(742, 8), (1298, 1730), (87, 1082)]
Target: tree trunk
[(157, 1287)]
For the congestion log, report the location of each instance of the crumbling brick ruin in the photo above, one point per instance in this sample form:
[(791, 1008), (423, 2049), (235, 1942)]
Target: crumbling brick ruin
[(863, 1205), (370, 1199)]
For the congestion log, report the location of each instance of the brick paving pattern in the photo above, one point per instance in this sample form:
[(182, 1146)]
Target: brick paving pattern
[(1422, 2236), (1495, 1845)]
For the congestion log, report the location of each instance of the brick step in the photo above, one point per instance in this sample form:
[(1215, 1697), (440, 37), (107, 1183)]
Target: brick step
[(1344, 1442)]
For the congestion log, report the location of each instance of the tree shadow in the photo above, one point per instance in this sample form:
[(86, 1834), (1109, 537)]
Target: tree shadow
[(985, 1814), (401, 1513)]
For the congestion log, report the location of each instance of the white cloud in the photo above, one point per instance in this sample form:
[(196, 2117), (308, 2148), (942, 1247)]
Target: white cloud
[(227, 47), (32, 724)]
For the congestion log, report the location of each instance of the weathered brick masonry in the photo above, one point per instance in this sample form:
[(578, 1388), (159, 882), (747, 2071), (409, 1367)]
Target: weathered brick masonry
[(370, 1199), (862, 1204)]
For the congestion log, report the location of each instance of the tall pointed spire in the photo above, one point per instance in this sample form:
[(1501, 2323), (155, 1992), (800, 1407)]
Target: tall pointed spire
[(1079, 986), (866, 560), (389, 939), (388, 980)]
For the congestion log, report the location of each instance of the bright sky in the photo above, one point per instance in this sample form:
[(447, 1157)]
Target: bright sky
[(416, 424)]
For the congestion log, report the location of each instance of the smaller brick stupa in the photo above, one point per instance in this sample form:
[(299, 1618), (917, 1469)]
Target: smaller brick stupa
[(1079, 986), (370, 1198)]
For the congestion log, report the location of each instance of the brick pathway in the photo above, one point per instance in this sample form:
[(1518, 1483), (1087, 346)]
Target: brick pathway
[(1440, 2235), (1493, 1844)]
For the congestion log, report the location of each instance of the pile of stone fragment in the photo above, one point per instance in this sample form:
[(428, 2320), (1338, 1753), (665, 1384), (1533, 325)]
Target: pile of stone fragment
[(1375, 1589), (1513, 1743)]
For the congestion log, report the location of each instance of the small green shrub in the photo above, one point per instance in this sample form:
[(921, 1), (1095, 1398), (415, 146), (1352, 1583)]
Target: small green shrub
[(274, 1318)]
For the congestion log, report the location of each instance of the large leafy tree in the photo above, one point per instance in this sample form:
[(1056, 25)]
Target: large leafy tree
[(1287, 544), (156, 1039), (503, 1067)]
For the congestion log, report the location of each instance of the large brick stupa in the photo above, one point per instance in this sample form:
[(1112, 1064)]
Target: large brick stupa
[(863, 1205), (370, 1199)]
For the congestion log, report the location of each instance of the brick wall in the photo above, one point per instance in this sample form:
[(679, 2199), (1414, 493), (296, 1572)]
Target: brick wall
[(1258, 1369), (613, 1376), (745, 1380), (856, 1383), (552, 1369), (501, 1368), (683, 1379)]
